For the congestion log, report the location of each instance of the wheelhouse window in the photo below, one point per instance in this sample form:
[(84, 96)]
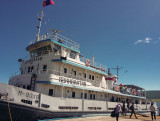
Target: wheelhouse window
[(84, 75), (57, 49), (50, 92), (41, 51), (72, 54), (44, 67)]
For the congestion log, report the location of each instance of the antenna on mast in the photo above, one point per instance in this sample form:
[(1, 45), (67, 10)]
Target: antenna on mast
[(40, 20), (118, 69), (54, 32)]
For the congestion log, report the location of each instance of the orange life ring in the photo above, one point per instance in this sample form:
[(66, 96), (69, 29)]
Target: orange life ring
[(87, 62), (134, 92), (117, 88)]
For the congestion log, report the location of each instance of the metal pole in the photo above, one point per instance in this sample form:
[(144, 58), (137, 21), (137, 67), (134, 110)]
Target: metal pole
[(146, 99), (40, 21)]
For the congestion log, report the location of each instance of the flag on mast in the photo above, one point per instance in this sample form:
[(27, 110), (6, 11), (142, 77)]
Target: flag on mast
[(48, 2)]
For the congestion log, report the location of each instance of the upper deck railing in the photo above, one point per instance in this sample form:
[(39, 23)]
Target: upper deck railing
[(59, 38), (94, 64)]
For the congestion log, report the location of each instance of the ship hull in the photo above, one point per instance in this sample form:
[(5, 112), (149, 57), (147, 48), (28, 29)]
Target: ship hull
[(24, 113)]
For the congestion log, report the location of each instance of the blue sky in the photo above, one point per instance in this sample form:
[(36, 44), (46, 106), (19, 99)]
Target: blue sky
[(116, 32)]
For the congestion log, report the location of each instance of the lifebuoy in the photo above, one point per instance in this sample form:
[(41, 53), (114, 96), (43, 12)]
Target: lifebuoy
[(134, 92), (117, 88), (87, 62)]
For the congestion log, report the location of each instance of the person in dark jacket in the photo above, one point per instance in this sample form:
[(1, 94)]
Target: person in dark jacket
[(132, 111), (124, 109), (153, 113), (118, 108)]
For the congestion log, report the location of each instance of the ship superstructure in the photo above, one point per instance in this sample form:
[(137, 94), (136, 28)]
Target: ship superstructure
[(57, 81)]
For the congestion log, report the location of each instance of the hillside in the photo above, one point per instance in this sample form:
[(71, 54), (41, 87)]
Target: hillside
[(153, 94)]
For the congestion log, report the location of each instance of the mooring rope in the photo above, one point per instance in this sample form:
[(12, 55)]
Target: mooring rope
[(9, 108)]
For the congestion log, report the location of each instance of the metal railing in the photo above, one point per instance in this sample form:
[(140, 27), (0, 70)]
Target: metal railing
[(128, 91), (94, 65), (60, 39)]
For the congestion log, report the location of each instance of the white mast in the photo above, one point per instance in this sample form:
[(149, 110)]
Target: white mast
[(39, 27)]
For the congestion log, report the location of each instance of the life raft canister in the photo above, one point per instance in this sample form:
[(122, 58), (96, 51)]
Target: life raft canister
[(87, 62)]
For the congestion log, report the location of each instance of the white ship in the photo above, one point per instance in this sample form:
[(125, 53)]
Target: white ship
[(57, 81)]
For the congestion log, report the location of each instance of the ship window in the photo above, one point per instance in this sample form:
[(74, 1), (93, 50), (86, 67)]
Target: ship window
[(90, 96), (50, 92), (84, 75), (44, 48), (28, 87), (32, 68), (49, 47), (72, 54), (94, 96), (65, 70), (44, 67), (29, 69), (92, 77), (89, 76), (56, 48), (85, 95), (73, 94), (81, 95), (74, 72), (24, 87)]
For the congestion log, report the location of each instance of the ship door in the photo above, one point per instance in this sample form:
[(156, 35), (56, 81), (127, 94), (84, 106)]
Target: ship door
[(33, 81)]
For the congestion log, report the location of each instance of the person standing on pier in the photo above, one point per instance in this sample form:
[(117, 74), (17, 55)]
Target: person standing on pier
[(124, 109), (118, 107), (132, 111), (153, 113)]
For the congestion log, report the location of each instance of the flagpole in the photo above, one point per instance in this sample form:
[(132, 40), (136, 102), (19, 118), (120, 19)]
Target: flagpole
[(40, 17), (40, 21)]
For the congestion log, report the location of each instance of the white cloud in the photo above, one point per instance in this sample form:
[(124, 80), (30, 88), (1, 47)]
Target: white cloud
[(138, 41), (146, 40)]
